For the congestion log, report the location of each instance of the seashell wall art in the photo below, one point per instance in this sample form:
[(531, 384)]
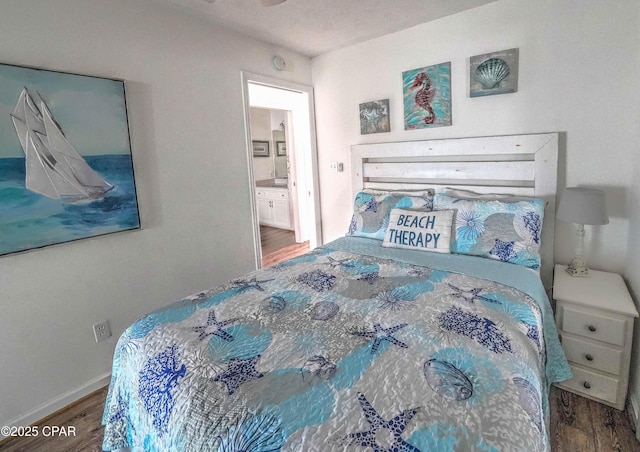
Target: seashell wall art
[(494, 73)]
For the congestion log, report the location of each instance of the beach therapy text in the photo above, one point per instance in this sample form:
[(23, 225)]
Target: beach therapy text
[(422, 231)]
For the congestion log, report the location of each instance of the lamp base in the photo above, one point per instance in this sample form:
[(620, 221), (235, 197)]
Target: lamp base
[(578, 267)]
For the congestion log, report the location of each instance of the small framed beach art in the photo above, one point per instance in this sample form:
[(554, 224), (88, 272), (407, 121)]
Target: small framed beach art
[(66, 171), (260, 148), (281, 148), (493, 73), (427, 96), (374, 117)]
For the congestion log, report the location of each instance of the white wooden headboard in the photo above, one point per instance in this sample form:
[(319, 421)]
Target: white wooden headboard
[(524, 165)]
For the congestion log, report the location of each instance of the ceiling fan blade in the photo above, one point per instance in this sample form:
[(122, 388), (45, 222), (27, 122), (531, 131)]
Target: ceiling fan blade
[(271, 2)]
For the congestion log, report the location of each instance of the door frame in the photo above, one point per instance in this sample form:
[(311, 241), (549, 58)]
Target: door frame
[(312, 194)]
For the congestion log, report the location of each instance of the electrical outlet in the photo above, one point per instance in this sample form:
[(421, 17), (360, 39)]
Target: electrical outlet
[(333, 166), (101, 331)]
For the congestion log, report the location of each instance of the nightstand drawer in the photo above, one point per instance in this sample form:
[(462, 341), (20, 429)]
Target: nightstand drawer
[(595, 356), (599, 327), (593, 384)]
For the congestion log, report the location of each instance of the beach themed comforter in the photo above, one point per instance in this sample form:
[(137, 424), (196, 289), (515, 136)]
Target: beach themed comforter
[(350, 347)]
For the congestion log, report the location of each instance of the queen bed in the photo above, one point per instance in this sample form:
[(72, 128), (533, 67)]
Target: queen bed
[(427, 327)]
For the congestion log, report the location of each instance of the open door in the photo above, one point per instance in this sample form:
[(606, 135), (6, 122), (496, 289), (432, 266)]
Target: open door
[(296, 199), (297, 100)]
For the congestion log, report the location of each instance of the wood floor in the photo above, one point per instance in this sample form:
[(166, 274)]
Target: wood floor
[(577, 425), (85, 418), (279, 245)]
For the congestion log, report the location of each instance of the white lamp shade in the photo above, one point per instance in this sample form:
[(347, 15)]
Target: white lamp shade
[(582, 206)]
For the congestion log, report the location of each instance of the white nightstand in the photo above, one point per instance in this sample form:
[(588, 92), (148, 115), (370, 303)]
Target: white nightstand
[(595, 317)]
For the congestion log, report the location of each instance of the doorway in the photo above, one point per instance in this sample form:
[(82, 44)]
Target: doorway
[(282, 167)]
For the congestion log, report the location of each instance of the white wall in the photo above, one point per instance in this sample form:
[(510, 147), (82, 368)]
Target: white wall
[(184, 94), (577, 75)]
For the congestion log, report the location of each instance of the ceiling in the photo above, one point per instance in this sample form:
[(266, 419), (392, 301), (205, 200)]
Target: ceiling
[(314, 27)]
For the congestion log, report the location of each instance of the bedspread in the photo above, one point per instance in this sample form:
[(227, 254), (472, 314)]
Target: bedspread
[(344, 348)]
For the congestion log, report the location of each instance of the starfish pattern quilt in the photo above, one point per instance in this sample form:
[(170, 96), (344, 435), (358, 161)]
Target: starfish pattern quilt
[(351, 347)]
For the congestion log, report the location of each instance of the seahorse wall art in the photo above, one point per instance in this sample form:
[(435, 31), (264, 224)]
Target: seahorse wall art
[(427, 96)]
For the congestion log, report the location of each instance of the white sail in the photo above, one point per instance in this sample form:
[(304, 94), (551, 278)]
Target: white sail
[(38, 177), (53, 166), (61, 148), (19, 121), (60, 184), (32, 115)]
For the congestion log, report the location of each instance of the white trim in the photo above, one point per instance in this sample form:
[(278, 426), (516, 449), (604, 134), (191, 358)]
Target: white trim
[(484, 164), (57, 403), (257, 251)]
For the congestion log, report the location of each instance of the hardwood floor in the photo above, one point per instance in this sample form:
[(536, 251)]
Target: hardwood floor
[(577, 425), (279, 245), (82, 422)]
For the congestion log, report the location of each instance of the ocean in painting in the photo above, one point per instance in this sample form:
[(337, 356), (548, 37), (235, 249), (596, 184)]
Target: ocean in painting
[(29, 220)]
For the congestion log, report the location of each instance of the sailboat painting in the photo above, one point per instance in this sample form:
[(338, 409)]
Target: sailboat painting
[(66, 171)]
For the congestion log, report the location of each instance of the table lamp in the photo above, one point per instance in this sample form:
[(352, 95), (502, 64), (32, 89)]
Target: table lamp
[(581, 206)]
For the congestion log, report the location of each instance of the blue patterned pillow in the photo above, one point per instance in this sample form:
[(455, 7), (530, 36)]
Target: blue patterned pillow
[(502, 230), (371, 210)]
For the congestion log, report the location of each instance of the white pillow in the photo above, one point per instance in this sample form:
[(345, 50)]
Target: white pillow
[(469, 194), (400, 191), (424, 231)]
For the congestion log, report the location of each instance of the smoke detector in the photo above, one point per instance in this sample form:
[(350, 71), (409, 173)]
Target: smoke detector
[(279, 63)]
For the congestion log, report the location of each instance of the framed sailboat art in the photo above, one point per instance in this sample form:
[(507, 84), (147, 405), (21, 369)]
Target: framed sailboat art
[(66, 171)]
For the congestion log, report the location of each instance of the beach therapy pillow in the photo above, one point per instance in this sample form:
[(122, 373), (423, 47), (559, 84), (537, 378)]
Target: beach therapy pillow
[(423, 231), (497, 229), (371, 210)]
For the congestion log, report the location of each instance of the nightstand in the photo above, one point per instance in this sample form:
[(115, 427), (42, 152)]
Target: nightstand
[(595, 316)]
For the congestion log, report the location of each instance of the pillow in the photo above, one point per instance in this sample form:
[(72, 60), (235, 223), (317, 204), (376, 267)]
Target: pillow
[(409, 199), (371, 211), (506, 231), (468, 194), (424, 231), (410, 192)]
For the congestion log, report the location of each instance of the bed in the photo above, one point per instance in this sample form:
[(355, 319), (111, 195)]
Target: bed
[(389, 338)]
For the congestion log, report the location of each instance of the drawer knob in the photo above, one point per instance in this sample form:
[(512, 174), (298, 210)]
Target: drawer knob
[(592, 328), (586, 385), (588, 357)]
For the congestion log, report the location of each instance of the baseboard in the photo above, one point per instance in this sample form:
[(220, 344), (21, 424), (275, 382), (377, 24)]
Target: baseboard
[(57, 403), (635, 405)]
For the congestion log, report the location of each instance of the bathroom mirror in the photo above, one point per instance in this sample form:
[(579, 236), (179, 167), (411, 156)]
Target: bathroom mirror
[(279, 146), (268, 125)]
